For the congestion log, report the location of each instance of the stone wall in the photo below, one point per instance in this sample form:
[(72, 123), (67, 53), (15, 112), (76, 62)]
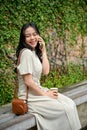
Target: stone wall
[(61, 52)]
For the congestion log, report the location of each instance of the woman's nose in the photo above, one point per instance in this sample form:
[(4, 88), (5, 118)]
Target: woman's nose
[(32, 37)]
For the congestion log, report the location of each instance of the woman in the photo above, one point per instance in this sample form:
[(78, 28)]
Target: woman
[(53, 111)]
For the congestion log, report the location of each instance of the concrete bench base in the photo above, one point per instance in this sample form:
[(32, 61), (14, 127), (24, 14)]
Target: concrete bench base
[(10, 121), (78, 93)]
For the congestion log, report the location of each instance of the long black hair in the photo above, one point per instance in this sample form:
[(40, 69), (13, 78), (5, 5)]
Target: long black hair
[(22, 44)]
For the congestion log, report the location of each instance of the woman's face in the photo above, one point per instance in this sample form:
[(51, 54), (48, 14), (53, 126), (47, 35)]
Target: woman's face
[(31, 37)]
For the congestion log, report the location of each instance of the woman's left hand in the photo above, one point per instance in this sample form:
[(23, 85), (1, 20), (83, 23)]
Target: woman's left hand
[(42, 44), (52, 93)]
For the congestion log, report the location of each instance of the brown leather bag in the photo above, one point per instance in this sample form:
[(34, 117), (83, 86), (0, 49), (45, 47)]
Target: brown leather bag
[(19, 106)]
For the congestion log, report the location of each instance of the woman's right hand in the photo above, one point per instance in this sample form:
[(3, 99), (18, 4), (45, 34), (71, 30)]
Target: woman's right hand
[(52, 93)]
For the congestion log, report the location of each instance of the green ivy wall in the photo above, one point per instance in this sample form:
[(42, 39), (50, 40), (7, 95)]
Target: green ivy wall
[(61, 15)]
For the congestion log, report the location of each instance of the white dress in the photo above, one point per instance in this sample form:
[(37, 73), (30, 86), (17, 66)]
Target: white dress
[(51, 114)]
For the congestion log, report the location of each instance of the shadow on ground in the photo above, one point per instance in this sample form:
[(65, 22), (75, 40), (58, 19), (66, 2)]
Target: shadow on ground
[(85, 128)]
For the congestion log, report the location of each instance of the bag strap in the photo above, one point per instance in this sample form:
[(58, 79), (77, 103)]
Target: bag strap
[(16, 88)]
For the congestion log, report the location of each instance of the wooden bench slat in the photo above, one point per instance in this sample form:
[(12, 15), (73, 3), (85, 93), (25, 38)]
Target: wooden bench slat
[(77, 92), (81, 100), (5, 108), (6, 117), (19, 122)]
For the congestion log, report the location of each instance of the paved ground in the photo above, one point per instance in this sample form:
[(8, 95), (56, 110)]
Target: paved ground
[(84, 128)]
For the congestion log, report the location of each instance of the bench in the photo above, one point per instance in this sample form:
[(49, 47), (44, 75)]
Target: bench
[(10, 121)]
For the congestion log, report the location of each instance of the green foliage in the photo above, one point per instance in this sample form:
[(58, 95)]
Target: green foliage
[(62, 15), (7, 80), (75, 75)]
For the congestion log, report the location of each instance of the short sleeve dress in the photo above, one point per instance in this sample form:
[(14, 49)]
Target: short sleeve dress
[(51, 114)]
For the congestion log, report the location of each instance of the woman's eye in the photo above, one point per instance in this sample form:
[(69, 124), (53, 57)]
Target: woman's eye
[(35, 34), (27, 35)]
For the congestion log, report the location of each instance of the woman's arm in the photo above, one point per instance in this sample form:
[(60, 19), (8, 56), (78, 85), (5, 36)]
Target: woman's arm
[(29, 82), (45, 62), (35, 89)]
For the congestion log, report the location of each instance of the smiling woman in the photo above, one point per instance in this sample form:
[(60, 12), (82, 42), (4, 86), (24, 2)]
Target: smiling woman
[(48, 106), (31, 37)]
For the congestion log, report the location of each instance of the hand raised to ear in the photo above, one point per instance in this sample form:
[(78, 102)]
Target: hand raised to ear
[(42, 43)]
